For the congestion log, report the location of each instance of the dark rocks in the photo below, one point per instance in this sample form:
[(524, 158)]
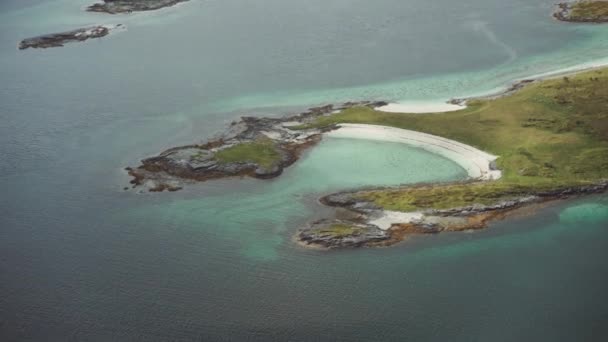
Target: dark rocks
[(270, 172), (58, 39), (458, 102), (128, 6), (348, 200), (479, 208), (575, 190), (510, 90), (341, 234)]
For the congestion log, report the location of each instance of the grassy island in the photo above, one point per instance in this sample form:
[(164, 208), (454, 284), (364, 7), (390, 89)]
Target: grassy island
[(549, 135), (583, 11)]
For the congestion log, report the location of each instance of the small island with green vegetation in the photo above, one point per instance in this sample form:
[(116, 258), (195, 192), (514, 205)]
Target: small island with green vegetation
[(583, 11), (254, 147), (546, 140)]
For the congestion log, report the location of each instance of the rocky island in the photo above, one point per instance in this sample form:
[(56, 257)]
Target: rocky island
[(547, 140), (254, 147), (584, 11), (128, 6), (61, 38)]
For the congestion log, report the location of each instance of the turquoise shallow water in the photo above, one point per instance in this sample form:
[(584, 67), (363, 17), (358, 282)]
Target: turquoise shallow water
[(80, 259), (290, 200)]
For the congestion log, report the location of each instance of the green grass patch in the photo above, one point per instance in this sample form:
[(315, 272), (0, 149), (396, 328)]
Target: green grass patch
[(550, 134), (455, 195), (262, 152)]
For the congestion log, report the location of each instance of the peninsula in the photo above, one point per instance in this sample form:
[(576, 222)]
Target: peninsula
[(545, 140), (254, 147), (583, 11)]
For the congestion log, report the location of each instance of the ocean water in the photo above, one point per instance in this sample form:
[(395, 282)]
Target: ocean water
[(83, 260)]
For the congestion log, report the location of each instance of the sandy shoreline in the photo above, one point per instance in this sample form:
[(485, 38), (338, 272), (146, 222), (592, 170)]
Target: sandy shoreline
[(477, 163), (420, 107), (441, 106)]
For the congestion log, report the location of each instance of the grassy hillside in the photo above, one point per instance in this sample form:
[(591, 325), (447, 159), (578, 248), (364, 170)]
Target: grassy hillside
[(550, 134)]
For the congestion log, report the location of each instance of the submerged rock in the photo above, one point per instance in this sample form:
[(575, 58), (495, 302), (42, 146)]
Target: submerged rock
[(341, 234)]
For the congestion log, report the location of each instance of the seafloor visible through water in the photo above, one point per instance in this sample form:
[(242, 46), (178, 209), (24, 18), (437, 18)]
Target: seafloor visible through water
[(83, 260)]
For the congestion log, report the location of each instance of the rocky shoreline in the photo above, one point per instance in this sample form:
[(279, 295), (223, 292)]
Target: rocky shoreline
[(359, 222), (128, 6), (61, 38), (281, 143), (323, 234), (566, 12)]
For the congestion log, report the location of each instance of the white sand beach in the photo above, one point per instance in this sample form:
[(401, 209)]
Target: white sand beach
[(477, 163), (420, 107), (387, 218)]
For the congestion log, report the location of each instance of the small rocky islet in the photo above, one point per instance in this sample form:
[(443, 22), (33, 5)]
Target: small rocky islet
[(583, 11)]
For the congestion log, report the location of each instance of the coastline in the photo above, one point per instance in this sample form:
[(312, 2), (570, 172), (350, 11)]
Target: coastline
[(541, 130), (510, 87), (519, 83), (539, 161)]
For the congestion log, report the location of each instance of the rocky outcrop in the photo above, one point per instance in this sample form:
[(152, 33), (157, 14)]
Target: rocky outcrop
[(202, 162), (61, 38), (333, 234), (567, 11), (128, 6)]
